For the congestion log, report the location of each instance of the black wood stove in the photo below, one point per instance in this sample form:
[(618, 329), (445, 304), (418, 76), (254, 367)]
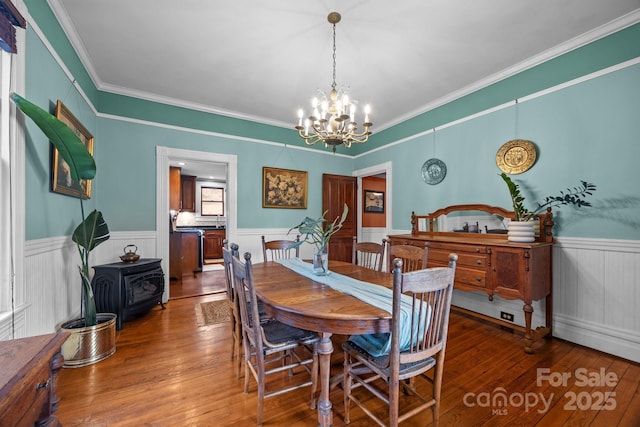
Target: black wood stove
[(128, 289)]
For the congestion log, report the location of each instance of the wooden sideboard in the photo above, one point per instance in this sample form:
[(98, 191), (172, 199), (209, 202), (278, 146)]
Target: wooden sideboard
[(488, 263), (28, 380)]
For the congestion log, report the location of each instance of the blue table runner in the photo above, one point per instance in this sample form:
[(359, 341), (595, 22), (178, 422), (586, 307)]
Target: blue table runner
[(375, 295)]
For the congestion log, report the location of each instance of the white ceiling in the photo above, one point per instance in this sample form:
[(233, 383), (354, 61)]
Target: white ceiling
[(263, 60), (207, 171)]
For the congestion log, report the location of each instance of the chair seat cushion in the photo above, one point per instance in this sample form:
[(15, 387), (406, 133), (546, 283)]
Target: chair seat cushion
[(278, 333), (382, 362)]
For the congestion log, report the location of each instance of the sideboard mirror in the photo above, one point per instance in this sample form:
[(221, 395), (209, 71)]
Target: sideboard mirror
[(475, 219)]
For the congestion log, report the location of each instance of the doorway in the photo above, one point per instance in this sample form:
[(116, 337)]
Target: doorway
[(375, 234), (166, 155)]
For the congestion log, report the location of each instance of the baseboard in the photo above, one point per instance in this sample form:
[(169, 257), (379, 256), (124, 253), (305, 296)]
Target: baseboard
[(622, 343)]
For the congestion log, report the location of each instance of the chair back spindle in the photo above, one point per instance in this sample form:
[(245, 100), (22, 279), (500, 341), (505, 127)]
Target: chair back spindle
[(280, 249), (413, 258), (369, 254)]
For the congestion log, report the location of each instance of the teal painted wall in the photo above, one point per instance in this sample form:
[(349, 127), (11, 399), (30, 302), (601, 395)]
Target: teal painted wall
[(608, 51), (127, 185), (49, 214), (587, 131)]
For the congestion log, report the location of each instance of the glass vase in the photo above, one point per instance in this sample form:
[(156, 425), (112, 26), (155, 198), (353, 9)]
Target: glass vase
[(321, 261)]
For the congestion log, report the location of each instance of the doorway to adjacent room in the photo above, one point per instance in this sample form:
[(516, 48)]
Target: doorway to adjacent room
[(167, 155)]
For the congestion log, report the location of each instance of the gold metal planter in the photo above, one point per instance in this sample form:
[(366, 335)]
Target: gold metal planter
[(89, 344)]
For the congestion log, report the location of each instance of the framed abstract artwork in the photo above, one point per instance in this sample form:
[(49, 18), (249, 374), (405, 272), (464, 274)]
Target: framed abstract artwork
[(61, 181)]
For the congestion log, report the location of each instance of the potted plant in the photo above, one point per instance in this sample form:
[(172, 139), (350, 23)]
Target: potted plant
[(522, 216), (93, 334), (317, 232)]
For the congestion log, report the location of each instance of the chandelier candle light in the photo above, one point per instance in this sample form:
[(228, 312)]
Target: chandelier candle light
[(332, 120)]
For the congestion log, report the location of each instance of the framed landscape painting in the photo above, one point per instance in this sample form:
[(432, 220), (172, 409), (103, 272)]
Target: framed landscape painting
[(61, 181), (284, 188)]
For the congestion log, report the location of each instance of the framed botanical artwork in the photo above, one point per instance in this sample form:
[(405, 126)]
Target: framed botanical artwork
[(284, 188), (61, 181), (373, 201)]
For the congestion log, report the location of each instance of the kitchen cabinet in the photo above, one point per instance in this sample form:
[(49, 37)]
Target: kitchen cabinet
[(489, 263), (213, 240), (188, 193), (175, 256), (191, 251), (174, 189)]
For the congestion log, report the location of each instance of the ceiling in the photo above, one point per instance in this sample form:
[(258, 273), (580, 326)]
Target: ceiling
[(205, 171), (263, 60)]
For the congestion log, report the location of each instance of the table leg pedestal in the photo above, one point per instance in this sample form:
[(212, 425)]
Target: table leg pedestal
[(325, 348)]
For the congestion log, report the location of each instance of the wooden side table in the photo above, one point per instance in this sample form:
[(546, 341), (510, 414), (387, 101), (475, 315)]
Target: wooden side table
[(28, 380)]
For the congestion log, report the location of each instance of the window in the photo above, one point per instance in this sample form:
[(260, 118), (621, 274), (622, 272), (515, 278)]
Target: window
[(211, 201)]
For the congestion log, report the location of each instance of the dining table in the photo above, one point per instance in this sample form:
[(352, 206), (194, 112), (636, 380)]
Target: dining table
[(304, 302)]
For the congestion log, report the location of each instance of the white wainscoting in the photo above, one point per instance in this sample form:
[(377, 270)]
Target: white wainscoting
[(596, 287), (596, 296), (51, 292)]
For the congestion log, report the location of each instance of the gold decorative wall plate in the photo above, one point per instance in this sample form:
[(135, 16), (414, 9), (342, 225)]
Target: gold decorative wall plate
[(516, 156)]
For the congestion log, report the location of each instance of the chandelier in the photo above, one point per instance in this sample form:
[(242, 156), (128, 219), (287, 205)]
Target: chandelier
[(332, 119)]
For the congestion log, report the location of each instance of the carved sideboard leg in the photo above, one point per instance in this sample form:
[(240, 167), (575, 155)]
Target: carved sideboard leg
[(531, 336)]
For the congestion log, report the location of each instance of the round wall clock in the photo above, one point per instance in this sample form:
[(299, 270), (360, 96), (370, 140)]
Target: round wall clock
[(516, 156), (433, 171)]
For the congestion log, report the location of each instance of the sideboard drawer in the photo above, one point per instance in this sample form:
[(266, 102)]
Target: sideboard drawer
[(465, 259), (458, 248), (469, 277)]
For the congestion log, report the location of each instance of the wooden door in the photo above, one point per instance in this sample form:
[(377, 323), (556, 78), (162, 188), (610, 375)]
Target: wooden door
[(336, 191)]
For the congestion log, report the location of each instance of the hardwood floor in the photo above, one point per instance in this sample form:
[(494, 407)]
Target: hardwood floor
[(167, 371), (208, 282)]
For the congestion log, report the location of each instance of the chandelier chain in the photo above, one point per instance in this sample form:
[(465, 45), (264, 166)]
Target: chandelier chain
[(333, 86), (332, 120)]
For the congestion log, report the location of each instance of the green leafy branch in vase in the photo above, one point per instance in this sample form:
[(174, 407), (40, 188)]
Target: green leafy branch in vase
[(574, 196), (315, 231)]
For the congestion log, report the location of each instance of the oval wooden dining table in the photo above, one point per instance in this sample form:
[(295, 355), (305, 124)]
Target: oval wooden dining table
[(299, 301)]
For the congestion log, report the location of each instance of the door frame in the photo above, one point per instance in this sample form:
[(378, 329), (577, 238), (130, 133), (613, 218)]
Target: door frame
[(163, 156), (385, 168)]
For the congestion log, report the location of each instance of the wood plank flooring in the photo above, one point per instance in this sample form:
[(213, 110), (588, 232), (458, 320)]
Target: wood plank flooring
[(167, 371)]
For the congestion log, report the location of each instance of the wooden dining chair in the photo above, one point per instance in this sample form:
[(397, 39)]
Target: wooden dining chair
[(413, 258), (270, 346), (430, 292), (236, 326), (280, 249), (369, 254)]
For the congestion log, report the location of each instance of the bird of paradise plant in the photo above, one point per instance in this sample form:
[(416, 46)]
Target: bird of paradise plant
[(93, 229)]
